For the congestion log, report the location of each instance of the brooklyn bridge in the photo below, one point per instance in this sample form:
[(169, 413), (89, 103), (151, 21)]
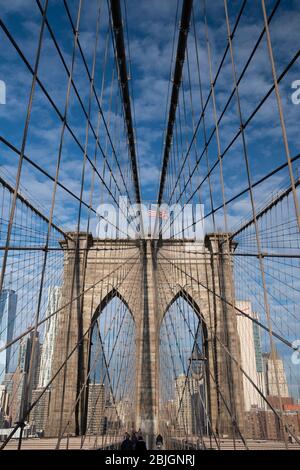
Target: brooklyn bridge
[(149, 225)]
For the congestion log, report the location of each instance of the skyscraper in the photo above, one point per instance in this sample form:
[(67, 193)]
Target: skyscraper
[(188, 404), (271, 367), (251, 360), (8, 309), (21, 395), (259, 359), (96, 409), (54, 294), (39, 414)]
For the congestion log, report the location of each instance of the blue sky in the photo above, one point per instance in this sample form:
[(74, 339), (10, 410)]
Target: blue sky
[(151, 29)]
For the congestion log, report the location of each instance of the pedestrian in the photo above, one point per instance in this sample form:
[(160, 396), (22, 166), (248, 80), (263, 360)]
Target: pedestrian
[(159, 441), (141, 444), (134, 439), (127, 443)]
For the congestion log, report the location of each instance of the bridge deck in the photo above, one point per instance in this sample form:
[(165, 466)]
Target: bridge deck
[(73, 443), (253, 444), (90, 444)]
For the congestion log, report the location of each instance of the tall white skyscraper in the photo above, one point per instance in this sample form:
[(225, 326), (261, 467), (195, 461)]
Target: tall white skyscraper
[(251, 361), (54, 294), (8, 309), (270, 370)]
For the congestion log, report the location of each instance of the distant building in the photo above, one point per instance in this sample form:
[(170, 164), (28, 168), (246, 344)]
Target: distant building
[(96, 409), (40, 414), (112, 420), (26, 347), (2, 419), (8, 310), (43, 369), (168, 415), (125, 413), (271, 367), (188, 404), (7, 382), (264, 424), (259, 359), (276, 400), (251, 356), (2, 395), (3, 405), (5, 393), (54, 295), (21, 388), (16, 399)]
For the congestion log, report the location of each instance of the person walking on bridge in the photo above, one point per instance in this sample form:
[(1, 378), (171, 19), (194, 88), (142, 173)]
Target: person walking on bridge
[(159, 441), (127, 443), (141, 444)]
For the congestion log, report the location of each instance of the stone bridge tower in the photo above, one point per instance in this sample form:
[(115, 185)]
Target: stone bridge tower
[(201, 271)]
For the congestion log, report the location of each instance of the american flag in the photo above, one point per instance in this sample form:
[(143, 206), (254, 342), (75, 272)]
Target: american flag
[(155, 213)]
